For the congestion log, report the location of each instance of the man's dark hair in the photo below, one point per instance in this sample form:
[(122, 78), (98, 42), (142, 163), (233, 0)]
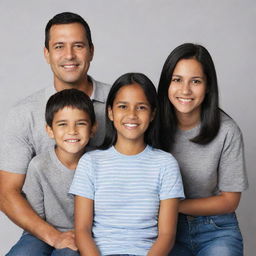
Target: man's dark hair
[(66, 18), (69, 98)]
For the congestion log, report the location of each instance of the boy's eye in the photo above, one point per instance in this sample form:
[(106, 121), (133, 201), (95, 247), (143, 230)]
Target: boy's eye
[(121, 106), (61, 124), (82, 123)]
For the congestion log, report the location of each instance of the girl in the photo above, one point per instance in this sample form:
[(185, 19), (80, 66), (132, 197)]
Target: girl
[(127, 193), (208, 146)]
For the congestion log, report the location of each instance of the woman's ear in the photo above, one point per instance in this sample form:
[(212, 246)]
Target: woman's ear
[(110, 113), (153, 114), (49, 131)]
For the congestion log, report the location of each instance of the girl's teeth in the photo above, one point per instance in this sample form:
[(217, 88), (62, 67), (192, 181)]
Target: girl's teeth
[(131, 125)]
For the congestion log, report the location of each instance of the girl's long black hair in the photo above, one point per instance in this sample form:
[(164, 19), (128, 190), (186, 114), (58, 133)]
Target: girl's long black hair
[(210, 112)]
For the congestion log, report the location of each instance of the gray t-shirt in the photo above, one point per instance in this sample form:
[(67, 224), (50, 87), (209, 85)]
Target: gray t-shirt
[(218, 166), (24, 135), (46, 189)]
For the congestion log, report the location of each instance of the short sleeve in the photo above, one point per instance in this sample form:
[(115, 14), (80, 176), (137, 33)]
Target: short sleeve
[(33, 190), (171, 182), (83, 182), (232, 171), (15, 149)]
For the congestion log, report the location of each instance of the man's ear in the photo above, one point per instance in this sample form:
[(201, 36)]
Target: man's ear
[(92, 52), (110, 113), (49, 131), (94, 130), (46, 55)]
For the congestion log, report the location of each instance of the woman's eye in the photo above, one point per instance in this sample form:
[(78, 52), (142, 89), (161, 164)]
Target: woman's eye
[(122, 106), (196, 81), (176, 80), (82, 123)]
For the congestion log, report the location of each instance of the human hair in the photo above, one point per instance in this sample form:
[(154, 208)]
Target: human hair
[(210, 112), (69, 98), (151, 134), (66, 18)]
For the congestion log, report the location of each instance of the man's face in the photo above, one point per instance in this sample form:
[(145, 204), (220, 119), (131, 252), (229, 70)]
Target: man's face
[(69, 54)]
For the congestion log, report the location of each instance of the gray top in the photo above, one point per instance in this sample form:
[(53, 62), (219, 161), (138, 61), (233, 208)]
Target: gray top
[(24, 134), (46, 189), (218, 166)]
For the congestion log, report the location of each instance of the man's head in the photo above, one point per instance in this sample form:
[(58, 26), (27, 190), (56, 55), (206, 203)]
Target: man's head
[(66, 18), (70, 120), (68, 50)]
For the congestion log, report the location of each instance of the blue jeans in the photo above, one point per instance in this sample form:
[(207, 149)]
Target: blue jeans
[(208, 236), (29, 245)]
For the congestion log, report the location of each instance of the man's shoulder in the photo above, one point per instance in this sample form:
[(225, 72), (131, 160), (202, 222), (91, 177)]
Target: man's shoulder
[(101, 90), (32, 99)]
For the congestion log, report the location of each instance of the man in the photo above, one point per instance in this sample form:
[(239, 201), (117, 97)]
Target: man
[(69, 51)]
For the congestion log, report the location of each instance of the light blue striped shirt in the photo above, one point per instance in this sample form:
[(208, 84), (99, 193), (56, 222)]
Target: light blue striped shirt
[(126, 191)]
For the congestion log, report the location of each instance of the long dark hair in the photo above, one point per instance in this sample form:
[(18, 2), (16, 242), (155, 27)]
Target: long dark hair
[(210, 112), (151, 135)]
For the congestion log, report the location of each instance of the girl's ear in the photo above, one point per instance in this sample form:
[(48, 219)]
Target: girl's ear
[(153, 114), (94, 129), (110, 114), (49, 131)]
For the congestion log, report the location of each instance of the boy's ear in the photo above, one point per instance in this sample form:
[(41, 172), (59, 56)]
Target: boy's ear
[(94, 129), (49, 131), (110, 113)]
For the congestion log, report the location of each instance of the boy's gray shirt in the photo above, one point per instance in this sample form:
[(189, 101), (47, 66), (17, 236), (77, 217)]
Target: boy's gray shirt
[(218, 166), (23, 135), (46, 189)]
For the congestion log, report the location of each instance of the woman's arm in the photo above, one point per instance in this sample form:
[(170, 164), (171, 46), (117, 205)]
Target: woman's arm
[(167, 222), (226, 202), (83, 226)]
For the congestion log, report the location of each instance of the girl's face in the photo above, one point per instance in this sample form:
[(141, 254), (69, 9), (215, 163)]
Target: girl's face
[(131, 114), (187, 89)]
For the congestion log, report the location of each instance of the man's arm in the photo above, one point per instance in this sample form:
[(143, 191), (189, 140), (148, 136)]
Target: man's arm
[(16, 207)]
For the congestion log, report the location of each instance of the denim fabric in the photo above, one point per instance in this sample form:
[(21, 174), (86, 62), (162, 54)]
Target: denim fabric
[(208, 236), (29, 245)]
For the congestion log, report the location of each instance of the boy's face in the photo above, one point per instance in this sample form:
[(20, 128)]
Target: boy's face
[(71, 129)]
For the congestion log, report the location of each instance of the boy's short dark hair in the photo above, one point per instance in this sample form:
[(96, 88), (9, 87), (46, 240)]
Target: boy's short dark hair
[(69, 98), (67, 18)]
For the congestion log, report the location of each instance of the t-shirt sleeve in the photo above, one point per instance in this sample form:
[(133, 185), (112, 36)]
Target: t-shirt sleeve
[(33, 190), (232, 171), (83, 181), (171, 182), (15, 149)]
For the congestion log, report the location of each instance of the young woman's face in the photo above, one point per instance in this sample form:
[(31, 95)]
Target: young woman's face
[(187, 89), (131, 114)]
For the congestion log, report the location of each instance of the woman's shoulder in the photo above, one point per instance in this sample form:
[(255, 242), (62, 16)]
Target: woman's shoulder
[(228, 125)]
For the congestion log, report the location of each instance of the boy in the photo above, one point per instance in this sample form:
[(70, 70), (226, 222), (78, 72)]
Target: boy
[(70, 122)]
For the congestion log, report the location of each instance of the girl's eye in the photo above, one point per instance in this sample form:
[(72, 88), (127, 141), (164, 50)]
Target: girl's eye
[(142, 107), (176, 80)]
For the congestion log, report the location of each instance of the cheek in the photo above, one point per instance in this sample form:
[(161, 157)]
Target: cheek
[(171, 93)]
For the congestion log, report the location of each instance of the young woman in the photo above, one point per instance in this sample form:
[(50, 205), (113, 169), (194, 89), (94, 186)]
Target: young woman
[(127, 193), (208, 146)]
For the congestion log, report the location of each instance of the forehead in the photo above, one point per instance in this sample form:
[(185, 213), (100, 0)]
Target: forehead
[(188, 67), (67, 32), (71, 113), (131, 93)]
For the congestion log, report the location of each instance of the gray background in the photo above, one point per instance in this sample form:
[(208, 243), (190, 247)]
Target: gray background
[(137, 35)]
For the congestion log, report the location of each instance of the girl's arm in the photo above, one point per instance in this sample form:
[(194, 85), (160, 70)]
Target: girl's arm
[(167, 222), (226, 202), (83, 226)]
